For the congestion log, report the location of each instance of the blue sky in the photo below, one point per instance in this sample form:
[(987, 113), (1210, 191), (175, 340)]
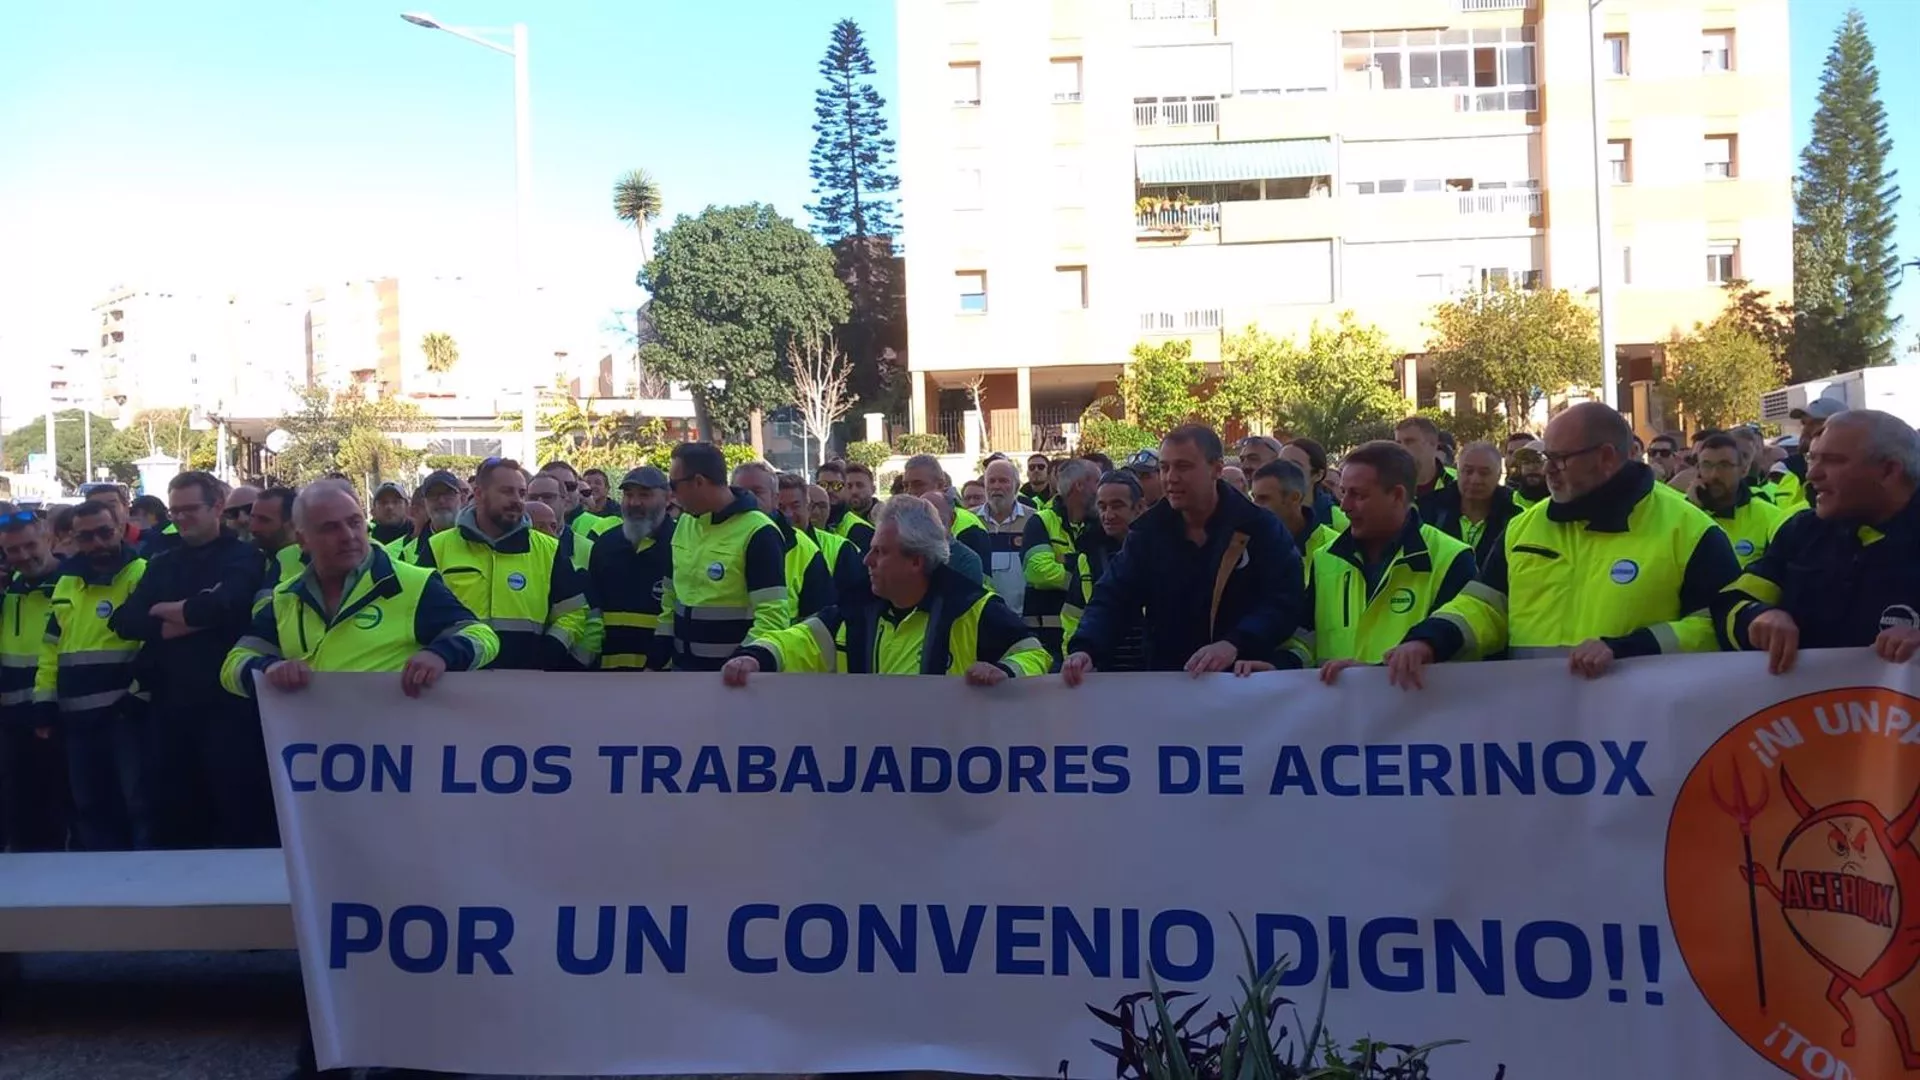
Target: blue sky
[(277, 144)]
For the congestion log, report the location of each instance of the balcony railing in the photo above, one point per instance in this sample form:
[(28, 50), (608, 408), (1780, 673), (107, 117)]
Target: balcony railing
[(1526, 100), (1158, 10), (1181, 322), (1498, 202), (1493, 5), (1176, 219), (1175, 113)]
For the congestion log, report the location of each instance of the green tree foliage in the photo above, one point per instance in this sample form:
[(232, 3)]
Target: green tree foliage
[(852, 166), (1118, 439), (1718, 372), (733, 290), (637, 201), (440, 350), (1159, 385), (69, 450), (920, 442), (1769, 323), (1338, 388), (614, 442), (1845, 262), (852, 161), (348, 434), (1514, 345), (870, 454)]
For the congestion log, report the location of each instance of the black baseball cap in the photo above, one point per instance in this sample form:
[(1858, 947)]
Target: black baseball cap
[(389, 486), (646, 476), (439, 478), (1144, 461)]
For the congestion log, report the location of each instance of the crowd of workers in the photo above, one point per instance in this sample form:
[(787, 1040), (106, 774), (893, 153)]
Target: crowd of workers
[(134, 635)]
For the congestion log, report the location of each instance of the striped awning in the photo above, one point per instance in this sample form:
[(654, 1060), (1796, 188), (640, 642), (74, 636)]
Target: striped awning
[(1202, 163)]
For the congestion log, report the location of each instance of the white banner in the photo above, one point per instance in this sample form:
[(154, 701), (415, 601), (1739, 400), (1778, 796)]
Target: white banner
[(526, 873)]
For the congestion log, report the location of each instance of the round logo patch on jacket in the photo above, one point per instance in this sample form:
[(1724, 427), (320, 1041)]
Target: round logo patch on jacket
[(1624, 572), (103, 609), (1401, 601), (368, 617), (1743, 548), (716, 571), (516, 581)]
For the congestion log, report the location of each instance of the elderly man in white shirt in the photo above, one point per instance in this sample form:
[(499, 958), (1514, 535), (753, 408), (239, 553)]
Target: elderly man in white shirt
[(1005, 518)]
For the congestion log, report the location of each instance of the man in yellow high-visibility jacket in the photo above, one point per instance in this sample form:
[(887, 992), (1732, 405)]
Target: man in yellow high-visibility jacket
[(1738, 508), (809, 583), (1616, 565), (923, 618), (729, 579)]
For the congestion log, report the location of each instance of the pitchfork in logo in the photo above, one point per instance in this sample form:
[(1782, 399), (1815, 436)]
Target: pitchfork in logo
[(1743, 811)]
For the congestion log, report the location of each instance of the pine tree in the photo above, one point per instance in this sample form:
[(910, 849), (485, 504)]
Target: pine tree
[(853, 176), (1844, 257), (852, 162)]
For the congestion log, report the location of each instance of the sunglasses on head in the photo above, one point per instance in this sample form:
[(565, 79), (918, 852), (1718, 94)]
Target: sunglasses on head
[(18, 517)]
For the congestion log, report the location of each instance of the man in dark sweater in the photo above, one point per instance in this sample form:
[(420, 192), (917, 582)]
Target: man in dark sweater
[(193, 604), (1217, 577)]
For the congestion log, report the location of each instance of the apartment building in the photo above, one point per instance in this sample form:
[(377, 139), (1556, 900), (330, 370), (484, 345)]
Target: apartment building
[(1080, 176)]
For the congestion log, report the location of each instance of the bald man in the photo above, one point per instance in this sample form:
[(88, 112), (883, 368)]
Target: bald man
[(239, 510), (1236, 478), (1617, 565), (543, 518), (819, 505)]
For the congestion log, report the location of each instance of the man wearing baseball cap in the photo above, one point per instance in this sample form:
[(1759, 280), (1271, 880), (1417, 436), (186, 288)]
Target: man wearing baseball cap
[(1790, 486), (627, 573), (389, 514), (1145, 467), (441, 491)]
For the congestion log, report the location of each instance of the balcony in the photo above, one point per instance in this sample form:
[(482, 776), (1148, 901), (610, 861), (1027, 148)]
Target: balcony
[(1176, 112), (1493, 5), (1176, 221), (1497, 202), (1176, 323), (1172, 10)]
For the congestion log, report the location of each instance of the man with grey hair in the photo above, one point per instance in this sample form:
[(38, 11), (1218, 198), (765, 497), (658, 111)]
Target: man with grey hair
[(1257, 451), (960, 557), (922, 475), (1005, 518), (1055, 558), (923, 618), (1847, 574)]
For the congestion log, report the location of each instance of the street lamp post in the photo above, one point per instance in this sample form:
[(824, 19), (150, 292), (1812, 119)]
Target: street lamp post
[(86, 412), (1602, 212), (522, 210)]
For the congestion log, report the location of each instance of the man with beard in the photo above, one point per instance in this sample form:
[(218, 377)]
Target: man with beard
[(582, 522), (517, 581), (1528, 476), (627, 573), (271, 526), (842, 559), (191, 606), (1005, 518), (1038, 490), (85, 684), (850, 487), (1059, 578), (1280, 488), (1118, 501), (809, 582), (597, 499), (33, 762), (444, 498), (238, 516), (1421, 438), (819, 507), (1311, 458), (1256, 451), (1477, 508), (923, 476), (1145, 467), (1750, 521), (389, 514)]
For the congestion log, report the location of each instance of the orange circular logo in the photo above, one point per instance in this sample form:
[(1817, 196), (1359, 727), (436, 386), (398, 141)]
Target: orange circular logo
[(1793, 882)]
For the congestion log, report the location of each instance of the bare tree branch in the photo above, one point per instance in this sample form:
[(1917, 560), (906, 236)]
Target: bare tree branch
[(820, 371)]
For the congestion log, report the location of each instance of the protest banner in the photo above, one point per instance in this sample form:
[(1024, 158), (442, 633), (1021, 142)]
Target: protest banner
[(1686, 868)]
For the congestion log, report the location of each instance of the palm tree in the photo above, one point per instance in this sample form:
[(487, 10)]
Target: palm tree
[(441, 352), (636, 201)]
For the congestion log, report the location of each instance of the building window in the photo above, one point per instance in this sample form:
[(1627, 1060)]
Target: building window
[(966, 83), (1716, 51), (1626, 265), (1487, 70), (1617, 55), (966, 189), (973, 291), (1720, 157), (1070, 287), (1722, 260), (1620, 160), (1066, 78)]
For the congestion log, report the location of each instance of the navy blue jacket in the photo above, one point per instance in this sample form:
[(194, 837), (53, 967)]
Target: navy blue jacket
[(1160, 573), (1842, 581), (218, 581)]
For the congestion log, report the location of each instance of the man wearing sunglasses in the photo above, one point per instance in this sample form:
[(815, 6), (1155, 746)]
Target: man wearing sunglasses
[(843, 519), (33, 762), (1617, 565), (211, 787), (583, 523), (1038, 490), (238, 516), (86, 684)]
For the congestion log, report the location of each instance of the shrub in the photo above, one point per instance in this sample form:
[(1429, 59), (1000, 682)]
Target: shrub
[(1114, 438), (870, 454), (737, 454), (920, 442), (458, 464)]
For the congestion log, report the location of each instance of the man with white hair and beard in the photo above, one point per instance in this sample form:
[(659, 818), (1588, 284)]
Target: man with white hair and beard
[(626, 575), (1005, 518), (443, 495)]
